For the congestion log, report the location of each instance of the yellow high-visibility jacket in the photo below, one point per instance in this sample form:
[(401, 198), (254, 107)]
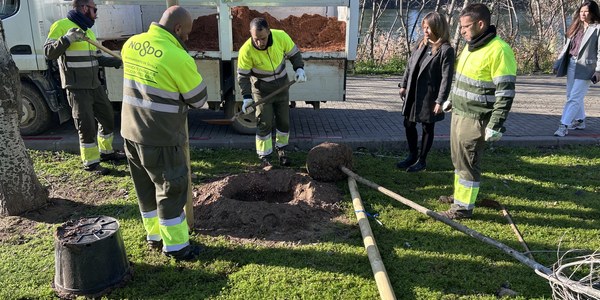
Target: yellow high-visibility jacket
[(484, 85), (267, 65), (160, 82), (78, 62)]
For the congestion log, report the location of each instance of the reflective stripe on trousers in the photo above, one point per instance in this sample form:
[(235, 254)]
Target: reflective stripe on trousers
[(264, 145), (105, 143), (281, 139), (465, 192), (150, 220), (174, 233), (89, 153)]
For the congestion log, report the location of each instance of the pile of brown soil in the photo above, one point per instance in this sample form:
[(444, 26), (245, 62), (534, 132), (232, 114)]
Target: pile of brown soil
[(274, 205), (205, 34), (309, 32)]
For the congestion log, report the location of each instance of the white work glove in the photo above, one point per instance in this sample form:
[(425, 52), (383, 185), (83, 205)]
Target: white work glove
[(492, 135), (300, 76), (447, 106), (75, 35), (246, 108)]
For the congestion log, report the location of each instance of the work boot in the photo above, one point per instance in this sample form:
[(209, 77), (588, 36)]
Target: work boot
[(116, 156), (284, 160), (457, 212), (265, 161), (410, 160), (446, 199), (154, 245), (189, 252), (420, 165), (97, 169)]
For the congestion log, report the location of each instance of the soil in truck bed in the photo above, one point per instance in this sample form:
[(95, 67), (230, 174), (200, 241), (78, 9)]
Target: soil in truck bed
[(310, 32)]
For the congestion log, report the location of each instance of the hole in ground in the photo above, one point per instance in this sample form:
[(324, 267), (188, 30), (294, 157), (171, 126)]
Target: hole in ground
[(276, 205), (256, 194)]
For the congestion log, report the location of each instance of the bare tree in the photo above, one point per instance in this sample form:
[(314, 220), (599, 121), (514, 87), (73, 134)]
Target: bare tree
[(563, 12), (388, 37), (456, 38), (20, 189), (539, 46), (415, 24)]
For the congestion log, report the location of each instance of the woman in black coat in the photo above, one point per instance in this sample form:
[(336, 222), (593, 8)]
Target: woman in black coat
[(425, 87)]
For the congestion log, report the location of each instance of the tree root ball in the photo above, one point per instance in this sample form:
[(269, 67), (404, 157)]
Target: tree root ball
[(324, 160)]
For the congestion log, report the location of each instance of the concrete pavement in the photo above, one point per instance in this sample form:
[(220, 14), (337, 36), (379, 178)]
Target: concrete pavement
[(371, 118)]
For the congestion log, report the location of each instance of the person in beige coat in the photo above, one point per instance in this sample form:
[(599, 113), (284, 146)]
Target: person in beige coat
[(578, 60)]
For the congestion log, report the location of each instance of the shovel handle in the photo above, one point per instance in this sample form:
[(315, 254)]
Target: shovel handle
[(99, 46), (267, 97)]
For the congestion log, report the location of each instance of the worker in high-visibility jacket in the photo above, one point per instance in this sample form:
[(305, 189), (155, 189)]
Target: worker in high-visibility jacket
[(79, 62), (160, 83), (261, 70), (480, 100)]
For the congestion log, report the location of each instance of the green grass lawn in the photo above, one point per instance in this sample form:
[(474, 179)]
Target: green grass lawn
[(552, 195)]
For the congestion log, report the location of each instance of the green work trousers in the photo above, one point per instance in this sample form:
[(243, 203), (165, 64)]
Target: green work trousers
[(275, 111), (466, 145), (89, 106), (160, 177)]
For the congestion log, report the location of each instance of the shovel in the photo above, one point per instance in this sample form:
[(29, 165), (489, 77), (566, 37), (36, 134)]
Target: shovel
[(253, 105)]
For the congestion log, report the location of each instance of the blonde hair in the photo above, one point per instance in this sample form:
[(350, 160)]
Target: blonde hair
[(439, 27)]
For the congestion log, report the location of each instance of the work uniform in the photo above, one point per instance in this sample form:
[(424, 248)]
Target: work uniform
[(160, 83), (79, 64), (482, 96), (260, 72)]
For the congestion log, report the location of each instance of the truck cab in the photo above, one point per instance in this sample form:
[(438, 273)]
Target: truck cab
[(27, 22)]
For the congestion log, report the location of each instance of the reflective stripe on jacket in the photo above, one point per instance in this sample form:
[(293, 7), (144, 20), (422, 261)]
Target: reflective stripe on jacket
[(484, 85), (78, 62), (269, 64), (160, 82)]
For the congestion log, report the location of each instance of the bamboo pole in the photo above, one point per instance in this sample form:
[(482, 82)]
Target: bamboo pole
[(462, 228), (381, 277)]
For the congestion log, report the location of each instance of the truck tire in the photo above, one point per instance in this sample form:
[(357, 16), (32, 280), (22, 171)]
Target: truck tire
[(36, 117), (244, 124)]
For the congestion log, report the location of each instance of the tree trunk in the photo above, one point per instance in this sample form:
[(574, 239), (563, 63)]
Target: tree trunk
[(563, 14), (20, 189)]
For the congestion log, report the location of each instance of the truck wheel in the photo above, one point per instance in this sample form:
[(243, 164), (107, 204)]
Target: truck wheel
[(36, 117), (244, 124)]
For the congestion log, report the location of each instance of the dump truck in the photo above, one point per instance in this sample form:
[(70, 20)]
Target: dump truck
[(27, 23)]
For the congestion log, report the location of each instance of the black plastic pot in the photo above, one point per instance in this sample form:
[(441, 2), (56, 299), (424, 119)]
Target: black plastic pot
[(89, 256)]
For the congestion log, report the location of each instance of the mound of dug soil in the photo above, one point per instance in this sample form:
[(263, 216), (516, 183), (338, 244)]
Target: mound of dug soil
[(276, 205)]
